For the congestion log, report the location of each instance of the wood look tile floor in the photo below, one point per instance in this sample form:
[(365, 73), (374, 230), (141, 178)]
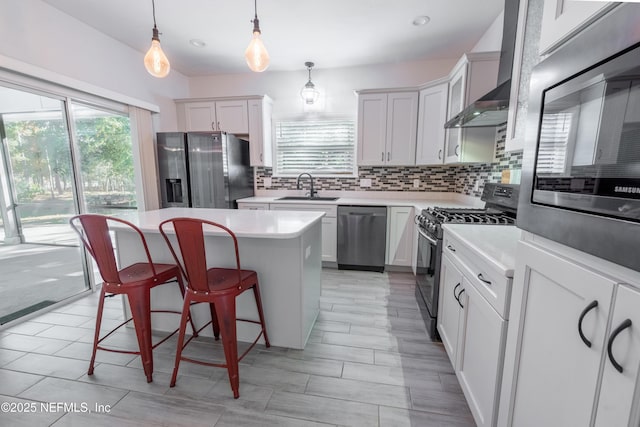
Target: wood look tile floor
[(368, 362)]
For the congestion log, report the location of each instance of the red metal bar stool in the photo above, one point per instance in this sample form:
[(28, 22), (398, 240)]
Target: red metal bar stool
[(216, 286), (135, 281)]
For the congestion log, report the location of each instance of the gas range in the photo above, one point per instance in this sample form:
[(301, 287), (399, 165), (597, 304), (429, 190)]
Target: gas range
[(501, 203), (431, 219)]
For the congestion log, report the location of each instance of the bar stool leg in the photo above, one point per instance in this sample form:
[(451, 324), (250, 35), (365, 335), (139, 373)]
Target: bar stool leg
[(96, 337), (140, 304), (256, 293), (226, 310), (215, 324), (183, 326), (182, 287)]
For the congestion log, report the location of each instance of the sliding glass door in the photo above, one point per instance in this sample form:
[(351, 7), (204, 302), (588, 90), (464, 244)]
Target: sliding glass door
[(59, 157)]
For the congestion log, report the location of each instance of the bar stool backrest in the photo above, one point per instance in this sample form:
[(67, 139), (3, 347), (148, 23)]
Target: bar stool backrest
[(93, 230), (190, 235)]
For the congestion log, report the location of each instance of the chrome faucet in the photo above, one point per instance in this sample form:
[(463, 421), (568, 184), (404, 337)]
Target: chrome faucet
[(312, 192)]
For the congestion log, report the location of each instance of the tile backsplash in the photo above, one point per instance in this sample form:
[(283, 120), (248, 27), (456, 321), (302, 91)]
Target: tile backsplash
[(441, 178)]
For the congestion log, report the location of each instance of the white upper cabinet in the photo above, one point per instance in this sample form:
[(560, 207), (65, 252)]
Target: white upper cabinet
[(260, 142), (216, 115), (432, 115), (249, 117), (232, 116), (474, 75), (387, 126), (562, 19)]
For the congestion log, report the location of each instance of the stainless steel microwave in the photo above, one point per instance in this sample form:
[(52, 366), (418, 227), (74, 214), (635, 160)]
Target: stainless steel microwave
[(581, 166)]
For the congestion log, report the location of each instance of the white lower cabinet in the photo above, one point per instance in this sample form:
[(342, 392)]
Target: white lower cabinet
[(480, 355), (254, 206), (329, 225), (400, 236), (616, 403), (472, 331), (558, 368), (449, 308)]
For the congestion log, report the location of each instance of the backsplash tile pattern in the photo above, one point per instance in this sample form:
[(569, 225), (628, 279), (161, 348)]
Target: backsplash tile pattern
[(445, 178), (488, 172)]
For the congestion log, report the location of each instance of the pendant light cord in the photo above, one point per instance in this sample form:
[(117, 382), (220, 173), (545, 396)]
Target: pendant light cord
[(256, 21), (153, 8)]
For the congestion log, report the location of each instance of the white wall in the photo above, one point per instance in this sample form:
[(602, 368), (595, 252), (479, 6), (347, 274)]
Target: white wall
[(491, 40), (37, 34), (337, 85)]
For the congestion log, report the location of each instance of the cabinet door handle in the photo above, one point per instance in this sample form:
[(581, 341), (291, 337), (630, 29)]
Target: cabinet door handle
[(382, 156), (454, 292), (481, 277), (587, 309), (260, 157), (624, 325), (451, 248), (440, 154), (213, 125), (218, 125), (456, 150), (458, 298), (388, 156)]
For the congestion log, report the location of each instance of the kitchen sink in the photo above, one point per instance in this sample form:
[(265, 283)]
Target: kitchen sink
[(310, 199)]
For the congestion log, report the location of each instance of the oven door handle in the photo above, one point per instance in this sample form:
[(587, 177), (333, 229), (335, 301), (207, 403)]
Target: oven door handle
[(429, 239)]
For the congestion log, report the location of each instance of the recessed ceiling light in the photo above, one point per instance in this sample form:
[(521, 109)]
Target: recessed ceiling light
[(197, 43), (421, 20)]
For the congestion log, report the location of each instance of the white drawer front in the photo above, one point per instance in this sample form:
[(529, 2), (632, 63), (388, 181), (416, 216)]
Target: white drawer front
[(492, 285)]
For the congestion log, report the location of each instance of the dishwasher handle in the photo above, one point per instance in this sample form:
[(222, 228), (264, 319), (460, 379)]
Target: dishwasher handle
[(365, 214)]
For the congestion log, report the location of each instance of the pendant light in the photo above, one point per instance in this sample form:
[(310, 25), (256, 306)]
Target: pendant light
[(256, 54), (309, 93), (155, 61)]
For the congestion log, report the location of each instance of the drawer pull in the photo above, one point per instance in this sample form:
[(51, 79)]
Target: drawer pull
[(482, 279), (624, 325), (451, 248), (587, 309)]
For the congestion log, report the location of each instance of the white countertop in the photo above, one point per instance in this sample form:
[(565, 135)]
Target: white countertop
[(244, 223), (495, 244), (446, 202)]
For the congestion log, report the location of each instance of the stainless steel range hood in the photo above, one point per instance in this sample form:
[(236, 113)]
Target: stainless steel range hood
[(491, 109)]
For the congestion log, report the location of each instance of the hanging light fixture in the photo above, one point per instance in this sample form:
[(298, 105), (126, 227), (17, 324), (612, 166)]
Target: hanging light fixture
[(256, 54), (155, 61), (309, 93)]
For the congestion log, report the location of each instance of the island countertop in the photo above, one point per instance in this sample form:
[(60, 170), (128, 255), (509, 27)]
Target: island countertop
[(244, 223)]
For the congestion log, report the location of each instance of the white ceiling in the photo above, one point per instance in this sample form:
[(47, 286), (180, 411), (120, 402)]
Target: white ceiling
[(331, 33)]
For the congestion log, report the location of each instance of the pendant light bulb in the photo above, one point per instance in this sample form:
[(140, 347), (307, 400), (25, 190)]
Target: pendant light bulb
[(309, 93), (155, 61), (256, 54)]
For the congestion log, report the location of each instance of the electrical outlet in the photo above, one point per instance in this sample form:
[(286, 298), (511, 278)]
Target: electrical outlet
[(476, 186), (266, 181), (365, 182), (416, 183)]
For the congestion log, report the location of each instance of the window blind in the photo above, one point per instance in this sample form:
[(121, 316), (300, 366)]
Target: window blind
[(315, 146), (554, 139)]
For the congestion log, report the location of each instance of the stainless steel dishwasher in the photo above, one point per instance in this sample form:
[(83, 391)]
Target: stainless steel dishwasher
[(362, 237)]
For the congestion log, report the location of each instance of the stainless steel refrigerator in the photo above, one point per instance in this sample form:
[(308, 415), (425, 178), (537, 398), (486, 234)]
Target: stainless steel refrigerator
[(203, 169)]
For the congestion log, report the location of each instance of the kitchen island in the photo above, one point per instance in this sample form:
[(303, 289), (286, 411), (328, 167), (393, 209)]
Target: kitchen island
[(283, 247)]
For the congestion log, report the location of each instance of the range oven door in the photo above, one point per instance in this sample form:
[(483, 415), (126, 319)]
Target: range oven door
[(428, 278)]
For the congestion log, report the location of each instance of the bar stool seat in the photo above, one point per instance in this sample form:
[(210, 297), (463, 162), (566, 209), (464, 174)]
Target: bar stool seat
[(134, 281), (216, 286)]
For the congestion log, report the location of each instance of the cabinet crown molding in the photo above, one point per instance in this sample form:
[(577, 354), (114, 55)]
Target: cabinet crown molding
[(225, 98)]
